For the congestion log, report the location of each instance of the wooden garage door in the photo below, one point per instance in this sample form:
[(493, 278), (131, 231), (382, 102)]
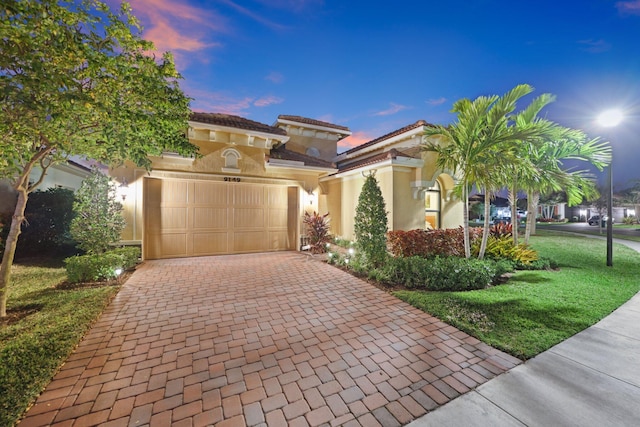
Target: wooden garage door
[(195, 218)]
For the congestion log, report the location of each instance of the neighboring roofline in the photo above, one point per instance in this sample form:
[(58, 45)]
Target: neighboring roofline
[(294, 164), (391, 157), (230, 123), (299, 160), (214, 127), (319, 125), (413, 129)]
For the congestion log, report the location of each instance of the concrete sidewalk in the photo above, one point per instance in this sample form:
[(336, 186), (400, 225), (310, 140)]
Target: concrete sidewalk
[(591, 379)]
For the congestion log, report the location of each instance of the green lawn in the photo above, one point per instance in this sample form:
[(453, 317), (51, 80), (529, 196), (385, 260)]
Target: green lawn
[(538, 309), (32, 348)]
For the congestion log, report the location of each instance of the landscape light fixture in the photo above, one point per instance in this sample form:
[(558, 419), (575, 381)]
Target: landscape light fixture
[(610, 118)]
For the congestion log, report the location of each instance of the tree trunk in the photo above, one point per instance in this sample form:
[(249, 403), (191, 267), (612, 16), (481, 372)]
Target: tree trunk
[(465, 221), (23, 188), (532, 207), (513, 201), (485, 228), (10, 249)]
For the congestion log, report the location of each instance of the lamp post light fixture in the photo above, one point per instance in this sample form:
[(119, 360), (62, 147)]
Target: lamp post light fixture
[(610, 118)]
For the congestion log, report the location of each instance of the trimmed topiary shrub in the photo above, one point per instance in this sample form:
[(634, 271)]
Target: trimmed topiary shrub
[(98, 267), (371, 225), (98, 222)]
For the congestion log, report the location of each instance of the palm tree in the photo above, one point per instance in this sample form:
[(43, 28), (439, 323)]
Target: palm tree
[(474, 147), (562, 144), (525, 170)]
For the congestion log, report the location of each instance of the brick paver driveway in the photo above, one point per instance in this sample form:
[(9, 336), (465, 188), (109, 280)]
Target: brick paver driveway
[(264, 339)]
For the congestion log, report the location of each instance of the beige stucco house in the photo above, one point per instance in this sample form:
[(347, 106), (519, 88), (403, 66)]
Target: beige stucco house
[(69, 175), (248, 189)]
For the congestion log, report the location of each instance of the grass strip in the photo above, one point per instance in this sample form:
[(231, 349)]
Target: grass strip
[(53, 320), (537, 309)]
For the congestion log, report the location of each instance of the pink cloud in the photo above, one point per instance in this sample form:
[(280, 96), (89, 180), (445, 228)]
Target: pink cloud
[(354, 140), (629, 7), (176, 26), (393, 109), (267, 100), (437, 101)]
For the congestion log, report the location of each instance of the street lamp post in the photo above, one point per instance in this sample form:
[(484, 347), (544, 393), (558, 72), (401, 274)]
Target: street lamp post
[(610, 118)]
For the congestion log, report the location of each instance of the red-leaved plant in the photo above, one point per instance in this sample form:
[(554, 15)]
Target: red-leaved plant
[(317, 231), (430, 243)]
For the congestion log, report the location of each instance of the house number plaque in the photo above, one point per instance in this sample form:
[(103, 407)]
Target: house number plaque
[(231, 179)]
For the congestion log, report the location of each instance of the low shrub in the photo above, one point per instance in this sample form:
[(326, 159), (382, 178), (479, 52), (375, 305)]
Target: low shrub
[(439, 273), (317, 231), (501, 229), (343, 243), (91, 268), (629, 220), (502, 248), (431, 243)]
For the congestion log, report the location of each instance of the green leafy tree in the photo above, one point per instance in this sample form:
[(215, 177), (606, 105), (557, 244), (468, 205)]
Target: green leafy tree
[(98, 220), (76, 79), (371, 224), (476, 147)]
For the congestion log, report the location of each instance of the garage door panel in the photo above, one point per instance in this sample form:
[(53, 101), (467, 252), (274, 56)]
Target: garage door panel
[(190, 218), (248, 218), (210, 243), (278, 218), (174, 193), (249, 241), (277, 196), (167, 245), (248, 195), (278, 240), (212, 217), (169, 218), (211, 193)]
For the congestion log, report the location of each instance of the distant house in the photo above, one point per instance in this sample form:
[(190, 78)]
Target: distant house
[(65, 175), (252, 183)]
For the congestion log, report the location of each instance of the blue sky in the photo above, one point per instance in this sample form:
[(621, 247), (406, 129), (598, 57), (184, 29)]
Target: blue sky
[(377, 66)]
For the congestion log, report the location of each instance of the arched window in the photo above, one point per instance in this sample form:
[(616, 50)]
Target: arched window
[(231, 157)]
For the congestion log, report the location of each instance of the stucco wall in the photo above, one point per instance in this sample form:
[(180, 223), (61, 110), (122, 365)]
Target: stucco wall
[(251, 167)]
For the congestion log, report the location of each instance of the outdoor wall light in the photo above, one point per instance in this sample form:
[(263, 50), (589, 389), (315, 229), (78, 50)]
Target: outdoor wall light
[(118, 271), (123, 189)]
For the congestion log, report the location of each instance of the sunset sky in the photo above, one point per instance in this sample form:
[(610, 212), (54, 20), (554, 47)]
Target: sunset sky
[(377, 66)]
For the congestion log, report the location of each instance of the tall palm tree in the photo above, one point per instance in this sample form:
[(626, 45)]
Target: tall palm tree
[(471, 148), (525, 170), (563, 144)]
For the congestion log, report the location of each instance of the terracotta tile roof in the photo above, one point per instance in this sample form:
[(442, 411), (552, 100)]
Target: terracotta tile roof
[(283, 154), (305, 120), (391, 154), (238, 122), (400, 131)]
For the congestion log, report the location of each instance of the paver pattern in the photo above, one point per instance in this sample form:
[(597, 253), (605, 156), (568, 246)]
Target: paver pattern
[(271, 339)]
